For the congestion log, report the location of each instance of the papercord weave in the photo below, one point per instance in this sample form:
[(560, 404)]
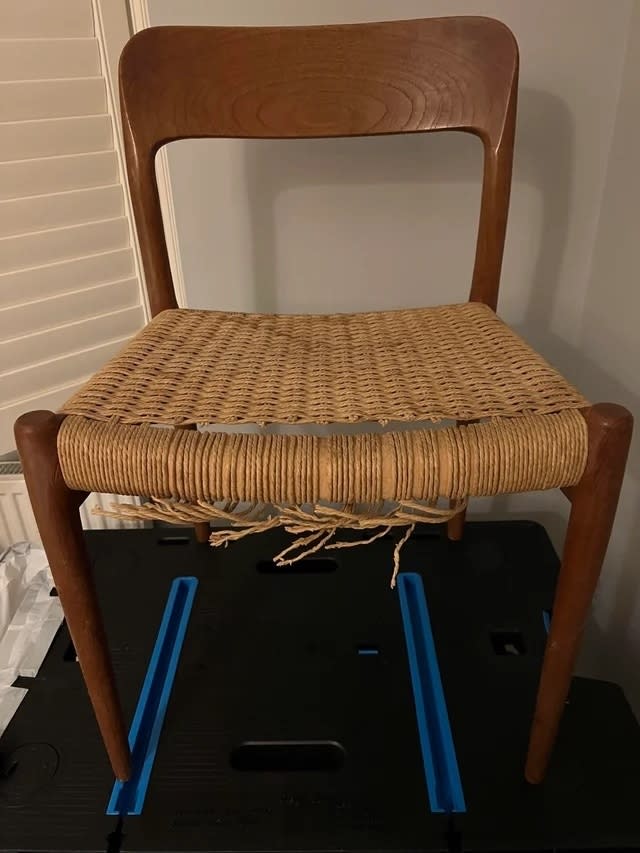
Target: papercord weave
[(458, 361)]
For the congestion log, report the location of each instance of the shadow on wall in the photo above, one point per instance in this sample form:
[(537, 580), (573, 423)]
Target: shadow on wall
[(543, 122), (276, 168), (273, 168)]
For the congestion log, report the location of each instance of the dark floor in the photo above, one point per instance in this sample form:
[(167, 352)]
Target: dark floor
[(274, 656)]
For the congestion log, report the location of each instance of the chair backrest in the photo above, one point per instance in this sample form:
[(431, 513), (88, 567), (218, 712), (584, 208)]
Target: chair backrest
[(304, 82)]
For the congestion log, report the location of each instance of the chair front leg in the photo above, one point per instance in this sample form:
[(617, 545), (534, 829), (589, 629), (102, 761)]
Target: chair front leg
[(56, 510), (593, 506)]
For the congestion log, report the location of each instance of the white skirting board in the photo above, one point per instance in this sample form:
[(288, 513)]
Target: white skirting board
[(17, 523)]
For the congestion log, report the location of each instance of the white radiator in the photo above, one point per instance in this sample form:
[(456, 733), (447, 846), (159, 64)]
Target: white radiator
[(17, 523)]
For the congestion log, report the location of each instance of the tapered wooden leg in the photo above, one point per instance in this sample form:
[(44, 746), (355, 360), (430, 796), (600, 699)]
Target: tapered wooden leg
[(594, 500), (455, 525), (55, 507), (203, 531)]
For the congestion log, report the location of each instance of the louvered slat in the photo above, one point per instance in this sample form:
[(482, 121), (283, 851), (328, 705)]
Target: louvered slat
[(37, 213), (21, 100), (53, 280), (55, 371), (24, 178), (23, 19), (48, 137), (30, 317), (38, 59), (54, 342), (56, 244)]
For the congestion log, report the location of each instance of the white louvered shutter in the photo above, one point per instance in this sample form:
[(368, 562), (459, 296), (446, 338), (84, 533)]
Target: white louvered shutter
[(69, 287)]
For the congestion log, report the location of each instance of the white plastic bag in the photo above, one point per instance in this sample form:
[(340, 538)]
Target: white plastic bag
[(29, 619)]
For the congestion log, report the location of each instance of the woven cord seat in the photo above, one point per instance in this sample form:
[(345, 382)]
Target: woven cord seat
[(457, 362), (318, 423)]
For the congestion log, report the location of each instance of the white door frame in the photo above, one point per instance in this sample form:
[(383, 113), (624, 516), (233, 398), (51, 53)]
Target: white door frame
[(112, 31)]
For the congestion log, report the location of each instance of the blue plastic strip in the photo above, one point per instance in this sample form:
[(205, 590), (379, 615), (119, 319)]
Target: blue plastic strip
[(438, 751), (127, 798), (546, 620)]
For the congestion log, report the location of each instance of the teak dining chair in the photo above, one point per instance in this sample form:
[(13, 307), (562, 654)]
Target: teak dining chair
[(520, 425)]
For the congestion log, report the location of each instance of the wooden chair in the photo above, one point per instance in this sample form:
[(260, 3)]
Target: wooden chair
[(521, 426)]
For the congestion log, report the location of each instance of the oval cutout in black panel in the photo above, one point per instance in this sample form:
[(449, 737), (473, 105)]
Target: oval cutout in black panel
[(278, 756), (311, 566), (173, 540)]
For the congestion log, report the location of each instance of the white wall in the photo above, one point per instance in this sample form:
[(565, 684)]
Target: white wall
[(609, 360), (390, 222)]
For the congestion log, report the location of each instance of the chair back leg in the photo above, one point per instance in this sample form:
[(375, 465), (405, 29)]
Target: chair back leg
[(203, 531), (455, 525)]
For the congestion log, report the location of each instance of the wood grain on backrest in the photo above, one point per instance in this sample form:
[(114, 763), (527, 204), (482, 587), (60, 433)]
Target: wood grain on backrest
[(306, 82)]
